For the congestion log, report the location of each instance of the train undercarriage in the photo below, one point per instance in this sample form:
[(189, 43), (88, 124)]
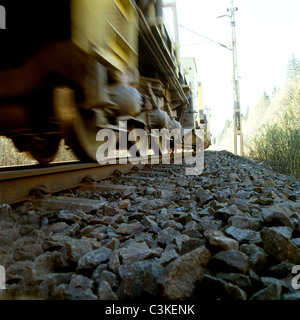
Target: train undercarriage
[(100, 64)]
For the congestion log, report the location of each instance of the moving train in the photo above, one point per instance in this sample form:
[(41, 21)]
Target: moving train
[(69, 68)]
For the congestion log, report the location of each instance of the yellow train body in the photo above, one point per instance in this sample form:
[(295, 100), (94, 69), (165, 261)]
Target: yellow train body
[(108, 30)]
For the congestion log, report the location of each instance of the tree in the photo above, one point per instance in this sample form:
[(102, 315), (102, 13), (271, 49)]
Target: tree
[(266, 97), (293, 68)]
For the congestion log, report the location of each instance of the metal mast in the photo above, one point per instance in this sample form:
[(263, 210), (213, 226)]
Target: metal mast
[(237, 129)]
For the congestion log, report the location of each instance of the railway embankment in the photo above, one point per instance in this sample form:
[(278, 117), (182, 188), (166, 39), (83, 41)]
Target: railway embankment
[(231, 233)]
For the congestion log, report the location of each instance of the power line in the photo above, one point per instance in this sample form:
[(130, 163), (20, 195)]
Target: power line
[(201, 21), (201, 35), (194, 44)]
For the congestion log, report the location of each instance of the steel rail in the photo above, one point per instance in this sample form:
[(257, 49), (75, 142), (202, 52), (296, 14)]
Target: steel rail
[(15, 185)]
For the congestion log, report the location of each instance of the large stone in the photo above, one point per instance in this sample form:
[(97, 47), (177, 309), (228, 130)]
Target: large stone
[(296, 241), (203, 196), (225, 213), (278, 244), (93, 258), (271, 292), (67, 215), (275, 218), (162, 216), (59, 227), (172, 224), (269, 183), (81, 288), (124, 204), (100, 274), (150, 225), (230, 261), (242, 204), (280, 207), (155, 204), (50, 262), (217, 241), (134, 252), (234, 177), (280, 271), (54, 286), (291, 295), (105, 292), (167, 256), (214, 288), (76, 248), (18, 271), (207, 223), (114, 261), (222, 196), (179, 277), (191, 229), (285, 231), (191, 244), (243, 235), (130, 228), (257, 257), (179, 240), (293, 206), (139, 277), (264, 201), (111, 210), (245, 222), (241, 280), (166, 194), (167, 235)]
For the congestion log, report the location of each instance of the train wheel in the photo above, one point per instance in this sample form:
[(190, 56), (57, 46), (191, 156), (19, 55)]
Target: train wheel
[(43, 147), (77, 124), (20, 143)]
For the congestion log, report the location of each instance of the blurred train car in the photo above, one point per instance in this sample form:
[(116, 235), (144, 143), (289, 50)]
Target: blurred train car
[(71, 67)]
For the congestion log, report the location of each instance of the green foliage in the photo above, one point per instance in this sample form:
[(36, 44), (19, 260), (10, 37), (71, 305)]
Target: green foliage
[(271, 128), (279, 143)]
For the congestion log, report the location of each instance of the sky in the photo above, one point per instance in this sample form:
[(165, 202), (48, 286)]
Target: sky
[(267, 35)]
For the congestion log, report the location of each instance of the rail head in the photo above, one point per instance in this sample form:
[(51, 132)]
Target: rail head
[(16, 184)]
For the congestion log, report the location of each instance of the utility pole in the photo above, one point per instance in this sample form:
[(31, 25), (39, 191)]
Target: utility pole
[(237, 128)]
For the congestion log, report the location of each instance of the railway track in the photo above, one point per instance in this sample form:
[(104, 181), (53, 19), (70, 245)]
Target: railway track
[(16, 182), (155, 232)]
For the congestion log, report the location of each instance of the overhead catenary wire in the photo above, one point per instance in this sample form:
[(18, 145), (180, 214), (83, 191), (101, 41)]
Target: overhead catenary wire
[(201, 21), (195, 43), (209, 39)]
